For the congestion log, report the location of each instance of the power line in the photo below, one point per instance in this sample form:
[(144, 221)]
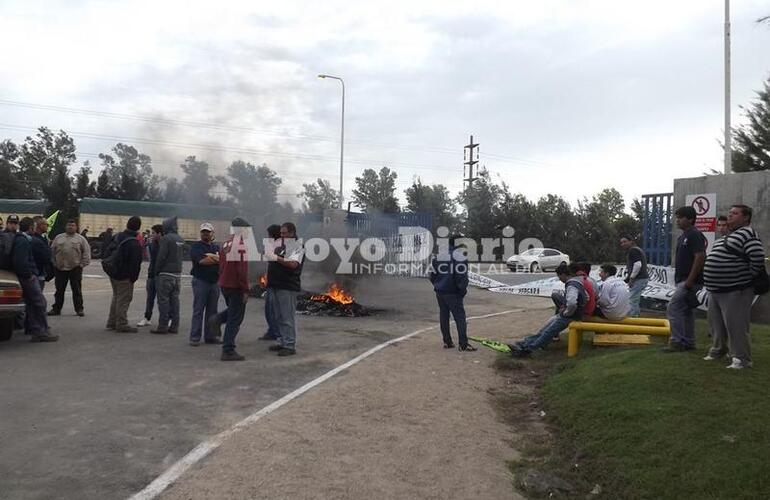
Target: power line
[(251, 130)]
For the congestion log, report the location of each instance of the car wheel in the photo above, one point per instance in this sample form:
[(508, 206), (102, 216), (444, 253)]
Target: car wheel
[(6, 329), (534, 267), (563, 263)]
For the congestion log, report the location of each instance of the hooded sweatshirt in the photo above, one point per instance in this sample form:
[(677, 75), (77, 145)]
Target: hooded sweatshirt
[(170, 249)]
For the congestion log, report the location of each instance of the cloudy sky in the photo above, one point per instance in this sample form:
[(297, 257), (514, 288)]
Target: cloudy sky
[(564, 96)]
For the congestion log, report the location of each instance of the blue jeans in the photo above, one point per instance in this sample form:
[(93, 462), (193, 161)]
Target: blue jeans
[(232, 316), (452, 303), (205, 300), (272, 325), (635, 295), (681, 315), (150, 303), (550, 329)]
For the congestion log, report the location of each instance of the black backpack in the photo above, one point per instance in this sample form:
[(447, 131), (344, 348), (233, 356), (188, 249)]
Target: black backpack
[(111, 263), (761, 283), (6, 247)]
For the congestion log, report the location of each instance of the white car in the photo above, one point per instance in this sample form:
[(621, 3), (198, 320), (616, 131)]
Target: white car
[(537, 259)]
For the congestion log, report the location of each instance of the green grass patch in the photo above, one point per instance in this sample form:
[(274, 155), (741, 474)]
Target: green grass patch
[(652, 425)]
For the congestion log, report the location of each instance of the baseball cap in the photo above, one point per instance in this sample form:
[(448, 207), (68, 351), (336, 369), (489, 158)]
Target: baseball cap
[(207, 226), (12, 219)]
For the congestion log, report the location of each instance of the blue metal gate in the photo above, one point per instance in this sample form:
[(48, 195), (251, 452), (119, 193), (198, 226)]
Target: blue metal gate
[(656, 227)]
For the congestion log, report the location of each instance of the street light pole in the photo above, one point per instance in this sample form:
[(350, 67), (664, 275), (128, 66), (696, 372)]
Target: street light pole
[(728, 128), (342, 131)]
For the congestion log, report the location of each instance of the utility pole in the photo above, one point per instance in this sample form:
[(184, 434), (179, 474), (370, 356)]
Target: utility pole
[(471, 157), (728, 128)]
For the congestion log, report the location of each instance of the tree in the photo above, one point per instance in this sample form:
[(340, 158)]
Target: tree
[(197, 182), (253, 189), (129, 174), (482, 206), (751, 149), (376, 192), (173, 191), (43, 160), (84, 186), (10, 184), (435, 200), (58, 192), (319, 196), (104, 188)]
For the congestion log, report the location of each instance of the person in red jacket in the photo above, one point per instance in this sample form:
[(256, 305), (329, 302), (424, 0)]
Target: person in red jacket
[(234, 285)]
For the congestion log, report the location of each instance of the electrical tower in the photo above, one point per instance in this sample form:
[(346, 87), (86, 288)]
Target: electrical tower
[(471, 157)]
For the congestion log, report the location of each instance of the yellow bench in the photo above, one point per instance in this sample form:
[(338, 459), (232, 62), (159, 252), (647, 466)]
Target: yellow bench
[(642, 326)]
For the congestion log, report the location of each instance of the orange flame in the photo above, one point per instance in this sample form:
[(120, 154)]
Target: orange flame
[(335, 293), (263, 281)]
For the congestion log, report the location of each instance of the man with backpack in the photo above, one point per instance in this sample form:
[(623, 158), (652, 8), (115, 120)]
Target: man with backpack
[(733, 273), (122, 264)]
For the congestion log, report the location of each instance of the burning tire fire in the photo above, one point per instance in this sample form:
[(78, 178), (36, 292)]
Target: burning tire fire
[(334, 302)]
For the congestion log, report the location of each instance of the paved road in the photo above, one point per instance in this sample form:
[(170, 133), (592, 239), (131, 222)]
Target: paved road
[(99, 414)]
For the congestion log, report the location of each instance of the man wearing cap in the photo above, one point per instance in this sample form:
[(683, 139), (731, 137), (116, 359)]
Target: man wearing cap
[(205, 272), (71, 253), (234, 284), (168, 268), (12, 224)]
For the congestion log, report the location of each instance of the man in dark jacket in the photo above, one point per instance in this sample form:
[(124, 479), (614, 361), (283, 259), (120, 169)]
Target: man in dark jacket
[(129, 266), (41, 250), (35, 318), (168, 270), (153, 246), (449, 275)]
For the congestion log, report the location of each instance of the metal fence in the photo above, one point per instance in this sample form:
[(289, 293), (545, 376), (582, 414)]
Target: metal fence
[(656, 227)]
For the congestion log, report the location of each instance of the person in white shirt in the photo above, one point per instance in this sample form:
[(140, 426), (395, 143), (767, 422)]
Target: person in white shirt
[(612, 300)]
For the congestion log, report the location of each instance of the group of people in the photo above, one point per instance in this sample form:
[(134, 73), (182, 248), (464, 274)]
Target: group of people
[(217, 270), (732, 272)]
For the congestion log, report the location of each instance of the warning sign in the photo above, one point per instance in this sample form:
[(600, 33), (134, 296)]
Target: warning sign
[(705, 206)]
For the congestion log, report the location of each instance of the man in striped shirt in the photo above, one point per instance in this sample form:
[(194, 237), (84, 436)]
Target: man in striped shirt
[(729, 273)]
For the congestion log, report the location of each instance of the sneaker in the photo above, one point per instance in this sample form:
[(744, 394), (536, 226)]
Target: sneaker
[(144, 322), (232, 356), (712, 357), (195, 342), (737, 364), (214, 325), (126, 329), (274, 348), (44, 337), (54, 312), (675, 347), (287, 351), (80, 313)]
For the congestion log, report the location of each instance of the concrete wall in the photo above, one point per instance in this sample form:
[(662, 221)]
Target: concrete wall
[(749, 188)]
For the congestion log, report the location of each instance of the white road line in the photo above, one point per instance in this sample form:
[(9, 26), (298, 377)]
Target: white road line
[(174, 472)]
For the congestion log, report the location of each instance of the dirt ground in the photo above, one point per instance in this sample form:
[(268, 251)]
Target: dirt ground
[(412, 421)]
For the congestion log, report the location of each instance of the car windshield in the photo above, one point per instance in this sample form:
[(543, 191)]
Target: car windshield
[(532, 251)]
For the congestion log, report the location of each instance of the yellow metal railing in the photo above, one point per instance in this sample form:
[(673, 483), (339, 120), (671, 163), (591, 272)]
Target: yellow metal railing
[(639, 326)]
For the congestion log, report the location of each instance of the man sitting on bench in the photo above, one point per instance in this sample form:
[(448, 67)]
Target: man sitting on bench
[(574, 301), (612, 301)]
